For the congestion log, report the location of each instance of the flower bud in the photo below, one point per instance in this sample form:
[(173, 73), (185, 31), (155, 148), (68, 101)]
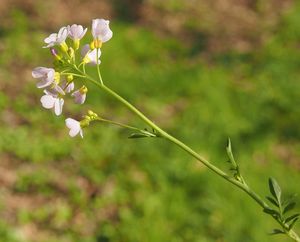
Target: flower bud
[(70, 78), (84, 123), (55, 54), (56, 77), (71, 52)]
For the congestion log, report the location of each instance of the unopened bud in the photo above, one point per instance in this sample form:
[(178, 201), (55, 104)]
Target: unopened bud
[(55, 54), (71, 52), (57, 77), (70, 78)]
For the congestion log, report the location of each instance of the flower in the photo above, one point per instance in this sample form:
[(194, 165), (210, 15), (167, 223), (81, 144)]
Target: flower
[(76, 32), (46, 75), (68, 86), (80, 95), (90, 56), (49, 101), (53, 88), (74, 127), (101, 30), (57, 38)]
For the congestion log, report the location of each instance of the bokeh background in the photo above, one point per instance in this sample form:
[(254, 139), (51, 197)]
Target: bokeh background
[(203, 70)]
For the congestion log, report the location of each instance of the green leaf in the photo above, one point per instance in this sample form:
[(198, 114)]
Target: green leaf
[(138, 135), (277, 231), (293, 223), (275, 189), (271, 212), (292, 217), (289, 207), (228, 147), (273, 201)]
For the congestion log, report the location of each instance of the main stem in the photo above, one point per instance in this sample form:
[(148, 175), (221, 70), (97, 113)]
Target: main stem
[(193, 153)]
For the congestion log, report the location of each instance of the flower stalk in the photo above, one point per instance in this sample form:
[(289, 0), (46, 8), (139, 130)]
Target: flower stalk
[(56, 89)]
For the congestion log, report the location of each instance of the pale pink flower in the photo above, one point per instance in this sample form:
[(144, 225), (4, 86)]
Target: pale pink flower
[(101, 30), (90, 56), (74, 127), (57, 38), (76, 32), (45, 75), (70, 87), (80, 95), (51, 102)]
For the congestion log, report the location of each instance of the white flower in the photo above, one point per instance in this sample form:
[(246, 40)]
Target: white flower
[(74, 127), (45, 75), (76, 32), (51, 102), (101, 30), (80, 95), (57, 38), (90, 56)]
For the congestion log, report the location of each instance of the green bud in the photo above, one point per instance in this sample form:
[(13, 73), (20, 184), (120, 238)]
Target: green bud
[(84, 123), (71, 52), (70, 78)]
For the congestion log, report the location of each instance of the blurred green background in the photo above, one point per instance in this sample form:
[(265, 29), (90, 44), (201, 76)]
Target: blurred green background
[(203, 70)]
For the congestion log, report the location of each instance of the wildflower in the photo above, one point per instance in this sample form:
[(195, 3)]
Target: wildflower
[(46, 75), (80, 95), (54, 88), (101, 32), (58, 39), (51, 101), (90, 56), (68, 86), (76, 33), (74, 126)]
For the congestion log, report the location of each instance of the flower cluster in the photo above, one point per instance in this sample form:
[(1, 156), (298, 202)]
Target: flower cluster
[(58, 82)]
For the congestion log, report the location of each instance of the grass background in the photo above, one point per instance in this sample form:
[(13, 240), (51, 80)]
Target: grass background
[(198, 76)]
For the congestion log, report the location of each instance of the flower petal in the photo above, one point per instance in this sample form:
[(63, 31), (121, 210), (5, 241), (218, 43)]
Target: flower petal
[(74, 127), (48, 101), (58, 106)]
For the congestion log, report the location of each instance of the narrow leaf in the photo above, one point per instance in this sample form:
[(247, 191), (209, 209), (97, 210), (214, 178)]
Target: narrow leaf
[(293, 223), (138, 135), (271, 211), (289, 207), (275, 189), (276, 231), (292, 217), (228, 148), (273, 201)]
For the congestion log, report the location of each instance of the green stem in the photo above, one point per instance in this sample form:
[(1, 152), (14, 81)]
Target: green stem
[(117, 123), (98, 68), (190, 151)]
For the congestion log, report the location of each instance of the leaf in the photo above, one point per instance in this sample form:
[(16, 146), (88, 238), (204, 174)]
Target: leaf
[(138, 135), (273, 201), (293, 223), (289, 207), (292, 217), (271, 211), (277, 231), (228, 147), (275, 189)]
